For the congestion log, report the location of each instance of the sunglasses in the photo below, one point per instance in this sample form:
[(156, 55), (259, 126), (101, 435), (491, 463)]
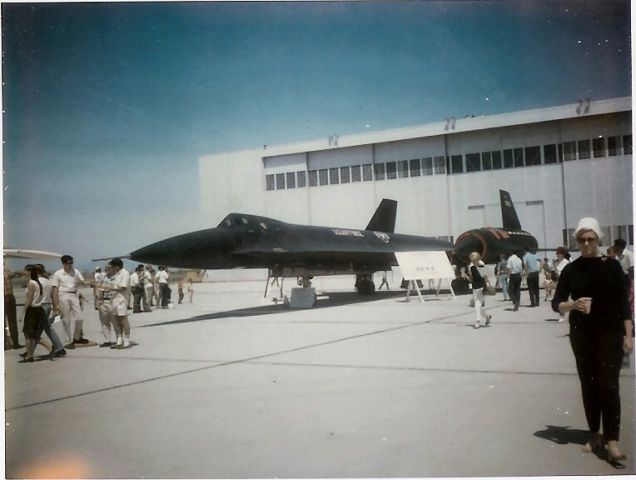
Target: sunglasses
[(583, 240)]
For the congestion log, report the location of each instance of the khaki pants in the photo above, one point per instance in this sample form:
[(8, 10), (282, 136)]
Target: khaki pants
[(71, 313)]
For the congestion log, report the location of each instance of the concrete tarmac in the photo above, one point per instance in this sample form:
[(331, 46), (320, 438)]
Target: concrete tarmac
[(235, 386)]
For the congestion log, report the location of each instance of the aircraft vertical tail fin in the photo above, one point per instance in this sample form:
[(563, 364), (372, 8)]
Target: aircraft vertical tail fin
[(384, 217), (508, 212)]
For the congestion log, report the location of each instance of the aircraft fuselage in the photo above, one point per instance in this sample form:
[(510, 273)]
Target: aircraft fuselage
[(249, 241)]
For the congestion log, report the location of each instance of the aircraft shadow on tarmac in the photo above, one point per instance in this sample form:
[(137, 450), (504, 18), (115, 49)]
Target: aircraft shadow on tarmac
[(333, 299)]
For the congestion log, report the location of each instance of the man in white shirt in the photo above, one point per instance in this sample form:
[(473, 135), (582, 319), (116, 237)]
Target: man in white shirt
[(149, 289), (98, 279), (64, 288), (515, 267), (137, 288), (625, 257), (162, 279), (120, 289)]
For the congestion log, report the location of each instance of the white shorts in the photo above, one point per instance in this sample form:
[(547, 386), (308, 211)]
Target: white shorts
[(119, 305)]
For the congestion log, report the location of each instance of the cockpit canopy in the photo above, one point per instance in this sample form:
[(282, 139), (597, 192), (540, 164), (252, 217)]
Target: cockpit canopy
[(234, 220)]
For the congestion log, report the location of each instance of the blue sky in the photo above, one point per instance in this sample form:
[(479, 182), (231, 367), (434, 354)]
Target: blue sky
[(108, 106)]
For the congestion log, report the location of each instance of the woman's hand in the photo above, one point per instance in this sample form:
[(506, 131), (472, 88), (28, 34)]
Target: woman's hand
[(628, 344)]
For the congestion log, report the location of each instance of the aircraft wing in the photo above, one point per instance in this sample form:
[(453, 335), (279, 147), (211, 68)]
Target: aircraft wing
[(31, 254)]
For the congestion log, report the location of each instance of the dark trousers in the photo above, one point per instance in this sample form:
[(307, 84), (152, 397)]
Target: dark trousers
[(138, 292), (181, 295), (598, 357), (514, 288), (165, 294), (533, 288), (11, 318)]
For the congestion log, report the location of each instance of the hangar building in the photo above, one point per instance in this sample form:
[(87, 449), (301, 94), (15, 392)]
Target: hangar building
[(558, 163)]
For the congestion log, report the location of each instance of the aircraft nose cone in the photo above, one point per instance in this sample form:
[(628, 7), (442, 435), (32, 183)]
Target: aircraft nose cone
[(192, 250), (155, 253)]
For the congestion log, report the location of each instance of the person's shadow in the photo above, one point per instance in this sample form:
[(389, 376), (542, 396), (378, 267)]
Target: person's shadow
[(563, 435)]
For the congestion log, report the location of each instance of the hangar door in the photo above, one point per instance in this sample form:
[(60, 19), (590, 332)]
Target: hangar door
[(532, 218)]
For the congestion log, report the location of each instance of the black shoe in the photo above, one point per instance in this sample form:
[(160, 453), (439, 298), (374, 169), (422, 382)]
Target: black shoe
[(106, 344), (515, 309), (616, 461), (60, 353), (23, 354), (70, 346), (31, 360), (81, 340)]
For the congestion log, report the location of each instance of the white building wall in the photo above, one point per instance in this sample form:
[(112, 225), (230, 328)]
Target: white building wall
[(231, 182)]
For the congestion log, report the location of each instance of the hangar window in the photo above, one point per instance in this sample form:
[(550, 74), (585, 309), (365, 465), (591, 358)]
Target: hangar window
[(569, 151), (427, 166), (508, 163), (486, 161), (549, 154), (533, 156), (518, 156), (334, 176), (313, 178), (269, 182), (584, 149), (598, 147), (473, 162), (568, 235), (391, 172), (345, 176), (323, 177), (355, 173), (301, 177), (280, 181), (457, 165), (291, 179), (366, 172), (621, 232), (378, 170), (440, 165), (403, 169), (612, 146), (627, 144), (496, 160), (415, 167)]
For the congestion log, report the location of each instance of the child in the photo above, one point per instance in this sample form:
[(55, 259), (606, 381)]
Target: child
[(549, 284)]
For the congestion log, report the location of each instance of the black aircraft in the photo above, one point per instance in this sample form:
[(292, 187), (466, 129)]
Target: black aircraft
[(289, 250), (490, 242)]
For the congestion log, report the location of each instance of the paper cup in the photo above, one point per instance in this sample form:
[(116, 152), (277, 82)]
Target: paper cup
[(587, 306)]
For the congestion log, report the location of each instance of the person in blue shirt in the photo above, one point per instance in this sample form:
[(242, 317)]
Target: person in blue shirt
[(532, 267)]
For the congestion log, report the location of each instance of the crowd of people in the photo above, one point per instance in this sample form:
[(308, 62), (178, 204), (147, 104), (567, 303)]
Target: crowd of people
[(57, 297)]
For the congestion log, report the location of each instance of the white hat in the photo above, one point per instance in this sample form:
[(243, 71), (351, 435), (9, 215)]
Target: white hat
[(589, 223)]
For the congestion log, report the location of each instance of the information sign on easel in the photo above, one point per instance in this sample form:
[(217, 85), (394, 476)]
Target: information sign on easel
[(425, 266)]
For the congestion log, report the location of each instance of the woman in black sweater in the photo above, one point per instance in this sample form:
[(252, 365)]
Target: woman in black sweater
[(600, 331)]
